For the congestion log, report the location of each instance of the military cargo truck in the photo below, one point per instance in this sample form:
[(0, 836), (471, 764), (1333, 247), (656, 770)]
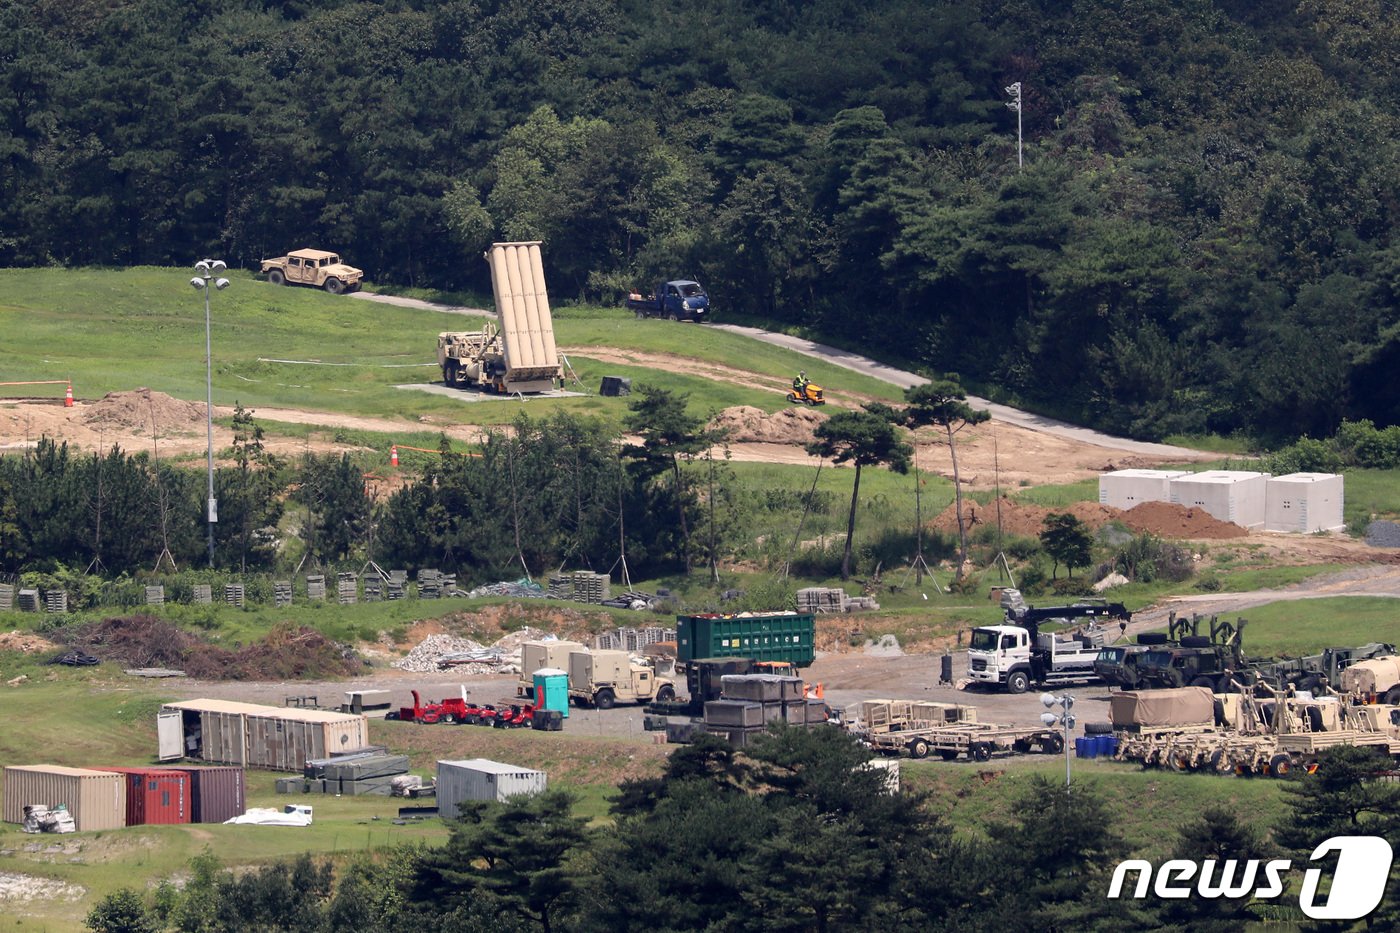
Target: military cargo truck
[(535, 655), (606, 678)]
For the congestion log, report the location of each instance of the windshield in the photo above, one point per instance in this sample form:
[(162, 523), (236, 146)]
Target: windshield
[(692, 290), (1111, 655), (1155, 659), (983, 640)]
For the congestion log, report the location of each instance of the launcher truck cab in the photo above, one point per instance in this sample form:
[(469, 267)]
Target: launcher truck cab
[(1017, 655), (605, 678)]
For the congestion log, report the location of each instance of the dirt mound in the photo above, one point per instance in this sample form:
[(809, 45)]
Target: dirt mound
[(1158, 518), (25, 642), (143, 410), (746, 424), (1178, 521), (287, 652)]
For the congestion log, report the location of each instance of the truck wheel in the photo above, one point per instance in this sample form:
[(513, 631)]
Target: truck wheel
[(1179, 761), (981, 751), (672, 317), (918, 748), (1098, 728), (604, 699), (641, 315), (449, 372), (276, 277), (666, 694), (1280, 765), (1018, 682), (1392, 696), (1053, 744), (1312, 684), (334, 285)]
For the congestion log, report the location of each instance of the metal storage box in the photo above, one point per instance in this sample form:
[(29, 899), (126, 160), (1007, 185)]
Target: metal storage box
[(96, 799), (245, 734), (1230, 495), (760, 688), (1123, 489), (217, 794), (735, 713), (1303, 502), (776, 636), (482, 779), (155, 796)]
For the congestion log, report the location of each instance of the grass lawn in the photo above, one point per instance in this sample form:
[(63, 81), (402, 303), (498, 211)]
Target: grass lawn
[(1306, 626)]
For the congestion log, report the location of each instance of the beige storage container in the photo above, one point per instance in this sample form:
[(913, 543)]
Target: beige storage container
[(96, 799), (270, 737)]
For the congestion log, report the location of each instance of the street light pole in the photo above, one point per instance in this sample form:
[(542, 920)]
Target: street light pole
[(1015, 104), (206, 273), (1064, 718)]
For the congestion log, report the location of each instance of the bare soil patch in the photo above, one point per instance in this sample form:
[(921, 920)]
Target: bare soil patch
[(1158, 518)]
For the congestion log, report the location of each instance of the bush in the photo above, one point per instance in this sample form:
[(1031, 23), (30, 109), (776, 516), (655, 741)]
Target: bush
[(1147, 558), (1304, 455)]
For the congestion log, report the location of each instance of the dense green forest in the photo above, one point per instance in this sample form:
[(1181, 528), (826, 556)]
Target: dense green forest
[(1200, 239)]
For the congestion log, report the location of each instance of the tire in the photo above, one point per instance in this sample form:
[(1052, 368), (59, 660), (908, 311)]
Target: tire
[(918, 748), (449, 372), (449, 719), (672, 317), (1152, 638), (666, 694), (1219, 712), (1203, 681), (1098, 728), (641, 315), (605, 699), (1218, 761), (1280, 765), (1312, 684), (334, 285), (1314, 716), (948, 754), (1226, 684), (276, 277), (1021, 746), (980, 751), (1053, 744), (1018, 682), (1196, 641), (1392, 696)]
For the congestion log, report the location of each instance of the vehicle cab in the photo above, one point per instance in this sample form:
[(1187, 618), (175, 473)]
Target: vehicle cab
[(995, 650)]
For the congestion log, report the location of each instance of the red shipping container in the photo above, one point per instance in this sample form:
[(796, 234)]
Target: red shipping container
[(217, 794), (155, 796)]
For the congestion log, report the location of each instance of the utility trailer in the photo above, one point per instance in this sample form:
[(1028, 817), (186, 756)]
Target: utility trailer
[(976, 741), (517, 353)]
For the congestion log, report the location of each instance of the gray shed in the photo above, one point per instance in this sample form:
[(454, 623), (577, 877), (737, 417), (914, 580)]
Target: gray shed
[(482, 779)]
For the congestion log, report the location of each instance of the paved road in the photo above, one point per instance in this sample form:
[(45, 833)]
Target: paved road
[(897, 377)]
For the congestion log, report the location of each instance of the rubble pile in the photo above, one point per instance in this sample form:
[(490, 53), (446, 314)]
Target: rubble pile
[(521, 589), (425, 655)]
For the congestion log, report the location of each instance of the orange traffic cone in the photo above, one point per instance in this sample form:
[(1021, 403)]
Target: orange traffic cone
[(393, 455), (68, 397)]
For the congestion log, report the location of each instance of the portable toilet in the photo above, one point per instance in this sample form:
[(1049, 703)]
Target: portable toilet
[(552, 690)]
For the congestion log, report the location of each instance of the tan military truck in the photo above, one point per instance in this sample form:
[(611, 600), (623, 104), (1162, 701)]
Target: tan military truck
[(314, 267), (606, 678), (535, 655)]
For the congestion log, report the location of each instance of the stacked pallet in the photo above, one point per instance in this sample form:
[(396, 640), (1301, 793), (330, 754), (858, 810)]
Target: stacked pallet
[(749, 702), (315, 586), (55, 600), (347, 588), (233, 594), (202, 594), (282, 593), (355, 775), (813, 599), (155, 595), (7, 597)]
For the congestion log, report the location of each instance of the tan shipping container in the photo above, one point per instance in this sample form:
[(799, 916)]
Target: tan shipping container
[(96, 799), (269, 737)]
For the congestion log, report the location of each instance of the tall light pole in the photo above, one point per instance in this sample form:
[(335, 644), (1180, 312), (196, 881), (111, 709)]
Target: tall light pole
[(206, 272), (1064, 718), (1015, 104)]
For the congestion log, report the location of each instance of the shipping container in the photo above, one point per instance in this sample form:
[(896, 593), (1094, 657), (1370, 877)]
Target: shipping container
[(535, 655), (96, 799), (217, 793), (774, 636), (155, 796), (482, 779), (252, 736)]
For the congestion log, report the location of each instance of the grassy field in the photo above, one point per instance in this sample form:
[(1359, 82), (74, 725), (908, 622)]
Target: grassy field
[(300, 348)]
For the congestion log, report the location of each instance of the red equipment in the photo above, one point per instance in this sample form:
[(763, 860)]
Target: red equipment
[(451, 711)]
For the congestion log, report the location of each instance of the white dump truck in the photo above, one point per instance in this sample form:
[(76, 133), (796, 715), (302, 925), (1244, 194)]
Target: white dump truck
[(606, 678)]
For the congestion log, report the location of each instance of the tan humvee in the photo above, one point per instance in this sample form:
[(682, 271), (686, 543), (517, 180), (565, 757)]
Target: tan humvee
[(314, 267)]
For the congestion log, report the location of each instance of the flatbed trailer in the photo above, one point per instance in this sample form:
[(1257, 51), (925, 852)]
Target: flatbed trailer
[(1225, 751), (977, 741)]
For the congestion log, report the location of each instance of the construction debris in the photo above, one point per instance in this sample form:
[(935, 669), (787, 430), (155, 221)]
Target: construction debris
[(520, 589)]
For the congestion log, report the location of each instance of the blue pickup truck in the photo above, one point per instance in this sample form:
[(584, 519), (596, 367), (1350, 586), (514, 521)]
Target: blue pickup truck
[(681, 300)]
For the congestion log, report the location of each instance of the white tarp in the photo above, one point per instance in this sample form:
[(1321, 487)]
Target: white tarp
[(267, 816)]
